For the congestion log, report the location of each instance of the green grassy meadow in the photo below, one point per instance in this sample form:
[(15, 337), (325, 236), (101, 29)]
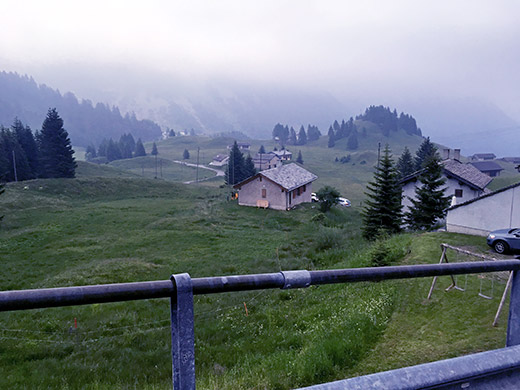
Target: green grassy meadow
[(111, 225)]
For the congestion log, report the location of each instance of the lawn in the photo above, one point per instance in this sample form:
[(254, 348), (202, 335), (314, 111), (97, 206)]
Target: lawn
[(110, 229)]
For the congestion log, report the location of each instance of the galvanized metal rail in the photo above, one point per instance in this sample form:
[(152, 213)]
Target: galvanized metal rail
[(181, 288)]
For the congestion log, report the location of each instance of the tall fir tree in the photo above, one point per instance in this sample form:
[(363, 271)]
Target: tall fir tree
[(299, 159), (425, 151), (26, 140), (139, 149), (17, 168), (56, 154), (352, 142), (302, 137), (261, 150), (155, 152), (113, 152), (331, 141), (293, 139), (249, 167), (430, 203), (405, 164), (186, 154), (382, 213), (313, 133), (235, 171), (2, 190)]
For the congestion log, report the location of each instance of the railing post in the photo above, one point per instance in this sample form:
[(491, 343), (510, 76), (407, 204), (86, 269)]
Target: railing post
[(513, 323), (183, 350)]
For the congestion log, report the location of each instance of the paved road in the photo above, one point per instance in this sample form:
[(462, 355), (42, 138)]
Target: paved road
[(218, 172)]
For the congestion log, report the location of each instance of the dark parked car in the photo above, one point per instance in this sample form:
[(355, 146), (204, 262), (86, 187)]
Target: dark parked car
[(504, 240)]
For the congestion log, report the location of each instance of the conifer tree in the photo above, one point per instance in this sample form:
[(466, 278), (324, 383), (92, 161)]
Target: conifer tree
[(56, 154), (293, 139), (261, 150), (17, 167), (235, 171), (155, 152), (331, 142), (299, 159), (2, 190), (26, 140), (429, 204), (352, 142), (302, 137), (382, 213), (426, 149), (405, 164), (139, 149), (186, 154), (249, 167), (313, 133)]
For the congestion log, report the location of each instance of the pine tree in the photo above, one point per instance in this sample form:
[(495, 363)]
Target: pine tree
[(139, 149), (313, 133), (382, 213), (426, 150), (186, 154), (429, 204), (26, 140), (331, 142), (2, 190), (261, 150), (299, 159), (155, 152), (405, 164), (56, 154), (293, 139), (90, 153), (17, 167), (302, 137), (113, 151), (352, 142), (249, 167), (235, 171)]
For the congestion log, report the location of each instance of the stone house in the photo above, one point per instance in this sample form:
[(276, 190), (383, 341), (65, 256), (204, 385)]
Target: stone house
[(463, 182), (495, 210), (279, 188), (490, 168), (283, 155), (266, 161)]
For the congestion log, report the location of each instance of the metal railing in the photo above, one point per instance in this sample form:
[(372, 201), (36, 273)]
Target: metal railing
[(181, 288)]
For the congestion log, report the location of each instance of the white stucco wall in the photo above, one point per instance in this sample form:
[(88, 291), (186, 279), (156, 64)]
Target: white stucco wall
[(498, 211), (451, 185), (251, 192)]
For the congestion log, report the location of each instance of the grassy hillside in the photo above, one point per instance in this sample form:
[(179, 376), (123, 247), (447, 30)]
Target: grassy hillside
[(119, 229)]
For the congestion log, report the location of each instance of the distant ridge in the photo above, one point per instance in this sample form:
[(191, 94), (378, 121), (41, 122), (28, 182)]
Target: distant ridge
[(21, 97)]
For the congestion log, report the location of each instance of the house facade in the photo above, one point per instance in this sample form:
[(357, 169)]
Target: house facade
[(264, 161), (483, 157), (492, 211), (463, 182), (279, 188), (283, 155), (220, 160), (490, 168)]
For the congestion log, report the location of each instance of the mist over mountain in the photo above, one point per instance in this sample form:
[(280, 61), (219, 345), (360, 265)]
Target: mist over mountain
[(222, 105), (86, 123)]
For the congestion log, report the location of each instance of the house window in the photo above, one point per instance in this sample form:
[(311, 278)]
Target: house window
[(260, 178), (294, 194), (458, 193), (304, 188), (264, 193), (298, 191)]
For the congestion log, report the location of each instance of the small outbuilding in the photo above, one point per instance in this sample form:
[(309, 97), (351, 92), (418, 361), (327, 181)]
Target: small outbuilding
[(220, 160), (496, 210), (279, 188), (483, 157), (490, 168), (266, 161), (283, 155)]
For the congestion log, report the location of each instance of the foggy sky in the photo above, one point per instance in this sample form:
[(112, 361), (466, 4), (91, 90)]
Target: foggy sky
[(366, 48)]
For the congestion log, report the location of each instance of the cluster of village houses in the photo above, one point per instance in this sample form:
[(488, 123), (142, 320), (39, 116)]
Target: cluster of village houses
[(474, 209)]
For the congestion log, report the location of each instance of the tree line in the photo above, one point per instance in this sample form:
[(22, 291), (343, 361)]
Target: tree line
[(347, 130), (87, 122), (109, 150), (288, 136), (383, 211), (239, 167), (389, 121), (46, 154)]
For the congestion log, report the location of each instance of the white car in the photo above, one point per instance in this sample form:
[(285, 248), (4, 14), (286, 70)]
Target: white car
[(314, 197), (344, 202)]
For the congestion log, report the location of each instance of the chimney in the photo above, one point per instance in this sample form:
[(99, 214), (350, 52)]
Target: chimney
[(445, 154), (456, 154)]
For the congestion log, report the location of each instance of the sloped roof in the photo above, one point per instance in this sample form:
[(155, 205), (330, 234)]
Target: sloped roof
[(487, 166), (466, 173), (264, 157), (484, 155), (220, 157), (289, 176), (281, 153)]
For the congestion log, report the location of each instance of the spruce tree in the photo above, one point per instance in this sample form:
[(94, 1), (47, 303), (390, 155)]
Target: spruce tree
[(249, 167), (139, 149), (331, 142), (429, 204), (235, 171), (293, 139), (382, 213), (352, 142), (155, 152), (313, 133), (2, 190), (56, 154), (299, 159), (186, 154), (261, 150), (302, 137), (26, 140), (405, 164), (17, 167), (426, 149)]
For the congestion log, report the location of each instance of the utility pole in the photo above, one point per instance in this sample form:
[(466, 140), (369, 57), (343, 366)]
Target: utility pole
[(14, 167), (197, 177)]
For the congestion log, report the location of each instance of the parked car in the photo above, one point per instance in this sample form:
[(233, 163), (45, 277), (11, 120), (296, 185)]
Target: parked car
[(504, 240), (344, 202)]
